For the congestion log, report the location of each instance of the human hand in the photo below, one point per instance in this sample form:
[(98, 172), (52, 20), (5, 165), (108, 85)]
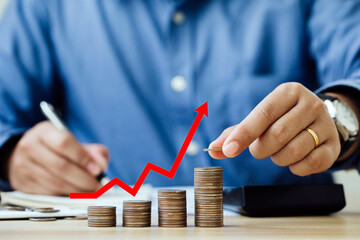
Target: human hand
[(50, 161), (276, 128)]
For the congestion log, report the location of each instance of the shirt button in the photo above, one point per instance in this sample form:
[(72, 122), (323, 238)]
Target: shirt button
[(179, 17), (178, 83), (193, 148)]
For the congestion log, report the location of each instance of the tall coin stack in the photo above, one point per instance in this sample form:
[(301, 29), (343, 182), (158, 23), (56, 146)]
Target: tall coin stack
[(172, 208), (137, 213), (101, 216), (208, 184)]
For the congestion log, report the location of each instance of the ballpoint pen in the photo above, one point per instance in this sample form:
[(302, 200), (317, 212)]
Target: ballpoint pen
[(49, 112)]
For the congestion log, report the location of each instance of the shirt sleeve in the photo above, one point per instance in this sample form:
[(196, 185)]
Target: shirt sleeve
[(26, 68), (334, 30)]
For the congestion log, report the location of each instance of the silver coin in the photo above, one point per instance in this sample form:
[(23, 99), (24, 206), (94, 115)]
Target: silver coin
[(46, 210), (42, 219), (13, 208), (79, 217)]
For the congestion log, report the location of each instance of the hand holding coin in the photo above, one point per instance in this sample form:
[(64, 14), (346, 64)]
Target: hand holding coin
[(291, 125)]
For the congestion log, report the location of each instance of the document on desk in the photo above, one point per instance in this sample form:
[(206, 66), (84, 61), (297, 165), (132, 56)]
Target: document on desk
[(73, 207), (67, 207), (112, 197), (28, 213)]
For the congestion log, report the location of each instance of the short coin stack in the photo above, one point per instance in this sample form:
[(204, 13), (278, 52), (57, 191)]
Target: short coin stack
[(101, 216), (172, 208), (137, 213), (208, 184)]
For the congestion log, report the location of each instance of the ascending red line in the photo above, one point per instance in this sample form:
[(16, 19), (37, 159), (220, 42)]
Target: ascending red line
[(202, 110)]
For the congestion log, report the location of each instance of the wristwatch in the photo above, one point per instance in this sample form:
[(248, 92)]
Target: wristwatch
[(345, 120)]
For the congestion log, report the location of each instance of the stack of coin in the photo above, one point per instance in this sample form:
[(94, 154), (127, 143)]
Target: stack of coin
[(137, 213), (101, 216), (208, 185), (172, 208)]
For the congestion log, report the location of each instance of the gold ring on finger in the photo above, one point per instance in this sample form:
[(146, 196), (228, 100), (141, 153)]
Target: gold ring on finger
[(314, 135)]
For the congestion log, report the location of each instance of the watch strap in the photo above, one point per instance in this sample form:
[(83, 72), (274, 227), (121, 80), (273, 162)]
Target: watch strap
[(326, 97)]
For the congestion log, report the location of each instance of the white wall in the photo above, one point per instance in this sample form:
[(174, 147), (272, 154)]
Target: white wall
[(351, 179)]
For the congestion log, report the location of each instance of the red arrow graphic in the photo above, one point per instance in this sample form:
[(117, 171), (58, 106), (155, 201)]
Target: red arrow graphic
[(202, 110)]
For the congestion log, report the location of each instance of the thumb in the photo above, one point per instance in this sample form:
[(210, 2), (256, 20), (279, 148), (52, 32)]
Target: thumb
[(219, 142)]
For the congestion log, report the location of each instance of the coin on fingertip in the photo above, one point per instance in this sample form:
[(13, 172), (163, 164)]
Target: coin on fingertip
[(212, 149)]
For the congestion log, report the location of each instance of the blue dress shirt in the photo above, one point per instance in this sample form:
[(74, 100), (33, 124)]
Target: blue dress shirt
[(129, 74)]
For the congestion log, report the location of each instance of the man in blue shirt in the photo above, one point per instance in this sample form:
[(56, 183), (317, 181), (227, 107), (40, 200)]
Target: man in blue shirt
[(128, 75)]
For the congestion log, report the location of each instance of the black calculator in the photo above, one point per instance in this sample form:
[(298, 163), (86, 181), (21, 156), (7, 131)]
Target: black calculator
[(285, 200)]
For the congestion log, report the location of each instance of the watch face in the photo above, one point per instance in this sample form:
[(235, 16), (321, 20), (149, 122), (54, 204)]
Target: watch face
[(346, 117)]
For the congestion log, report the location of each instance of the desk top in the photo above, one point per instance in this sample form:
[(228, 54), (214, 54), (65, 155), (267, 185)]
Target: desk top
[(345, 224)]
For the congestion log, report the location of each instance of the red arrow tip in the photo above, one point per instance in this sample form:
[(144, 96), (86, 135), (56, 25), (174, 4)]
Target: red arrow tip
[(203, 109)]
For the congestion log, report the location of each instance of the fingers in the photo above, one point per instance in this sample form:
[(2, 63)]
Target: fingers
[(31, 187), (64, 144), (281, 132), (261, 118), (50, 184), (30, 180), (63, 169), (319, 160), (19, 175), (299, 147), (218, 143), (100, 153)]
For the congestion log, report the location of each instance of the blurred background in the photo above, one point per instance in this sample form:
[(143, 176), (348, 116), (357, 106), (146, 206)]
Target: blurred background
[(350, 179), (2, 6)]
